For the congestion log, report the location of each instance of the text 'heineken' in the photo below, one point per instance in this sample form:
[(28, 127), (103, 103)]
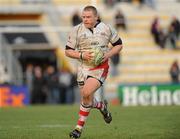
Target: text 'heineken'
[(150, 95)]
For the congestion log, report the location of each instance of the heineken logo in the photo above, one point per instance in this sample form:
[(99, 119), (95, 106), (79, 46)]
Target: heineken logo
[(149, 95)]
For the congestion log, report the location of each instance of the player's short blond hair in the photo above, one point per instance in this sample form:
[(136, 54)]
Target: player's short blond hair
[(91, 8)]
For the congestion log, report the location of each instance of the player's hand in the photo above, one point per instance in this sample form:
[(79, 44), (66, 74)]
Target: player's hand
[(87, 56), (105, 57)]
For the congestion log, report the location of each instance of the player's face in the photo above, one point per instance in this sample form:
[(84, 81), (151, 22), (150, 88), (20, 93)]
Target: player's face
[(89, 19)]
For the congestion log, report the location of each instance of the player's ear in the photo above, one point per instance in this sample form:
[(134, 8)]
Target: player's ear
[(96, 17)]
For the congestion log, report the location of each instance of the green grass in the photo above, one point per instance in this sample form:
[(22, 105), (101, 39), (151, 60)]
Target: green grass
[(55, 122)]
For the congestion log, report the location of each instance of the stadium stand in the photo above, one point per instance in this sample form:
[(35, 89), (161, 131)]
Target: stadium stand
[(141, 60)]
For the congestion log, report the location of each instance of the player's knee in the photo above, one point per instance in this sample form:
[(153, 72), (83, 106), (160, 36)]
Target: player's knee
[(86, 102), (86, 96), (86, 93)]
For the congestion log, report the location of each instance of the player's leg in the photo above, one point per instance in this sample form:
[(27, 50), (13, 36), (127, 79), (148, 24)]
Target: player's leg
[(101, 104), (88, 99), (102, 107), (98, 97), (87, 92)]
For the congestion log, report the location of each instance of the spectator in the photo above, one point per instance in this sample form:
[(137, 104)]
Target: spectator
[(149, 3), (115, 61), (29, 77), (158, 33), (67, 81), (52, 84), (110, 3), (141, 3), (38, 91), (120, 20), (172, 36), (173, 32), (176, 25), (76, 18), (99, 18), (174, 72)]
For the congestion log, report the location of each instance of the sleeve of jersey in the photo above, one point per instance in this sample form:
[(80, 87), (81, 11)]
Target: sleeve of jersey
[(72, 39), (115, 39)]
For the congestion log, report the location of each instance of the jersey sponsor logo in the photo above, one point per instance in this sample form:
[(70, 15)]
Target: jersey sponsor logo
[(95, 43), (103, 33), (83, 36), (103, 46)]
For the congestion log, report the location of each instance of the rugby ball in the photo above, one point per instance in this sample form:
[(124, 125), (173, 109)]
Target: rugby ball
[(97, 56)]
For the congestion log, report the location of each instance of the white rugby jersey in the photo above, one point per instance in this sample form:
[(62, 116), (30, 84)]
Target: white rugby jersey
[(84, 39)]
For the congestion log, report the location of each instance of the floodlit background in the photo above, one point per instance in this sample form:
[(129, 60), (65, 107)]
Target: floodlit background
[(33, 35)]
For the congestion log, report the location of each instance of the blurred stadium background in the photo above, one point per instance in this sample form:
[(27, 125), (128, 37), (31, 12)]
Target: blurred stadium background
[(35, 32)]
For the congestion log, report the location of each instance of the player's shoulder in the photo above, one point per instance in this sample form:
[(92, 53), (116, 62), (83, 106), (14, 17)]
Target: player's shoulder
[(108, 26), (102, 24), (77, 27)]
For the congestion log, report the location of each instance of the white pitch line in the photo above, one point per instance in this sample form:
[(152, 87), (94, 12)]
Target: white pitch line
[(53, 125), (38, 126)]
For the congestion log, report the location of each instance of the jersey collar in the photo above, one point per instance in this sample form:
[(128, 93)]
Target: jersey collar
[(94, 26)]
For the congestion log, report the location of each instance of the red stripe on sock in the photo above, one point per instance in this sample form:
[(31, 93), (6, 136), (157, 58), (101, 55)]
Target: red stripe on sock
[(80, 123), (83, 113)]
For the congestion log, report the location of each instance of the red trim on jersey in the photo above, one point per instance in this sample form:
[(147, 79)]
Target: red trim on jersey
[(105, 73), (104, 65), (83, 113)]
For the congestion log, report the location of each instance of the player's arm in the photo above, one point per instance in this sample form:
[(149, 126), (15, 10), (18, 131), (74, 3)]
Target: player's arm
[(71, 46), (72, 53), (117, 47)]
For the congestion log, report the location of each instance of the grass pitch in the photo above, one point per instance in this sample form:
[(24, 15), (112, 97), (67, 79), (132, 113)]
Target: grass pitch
[(55, 122)]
